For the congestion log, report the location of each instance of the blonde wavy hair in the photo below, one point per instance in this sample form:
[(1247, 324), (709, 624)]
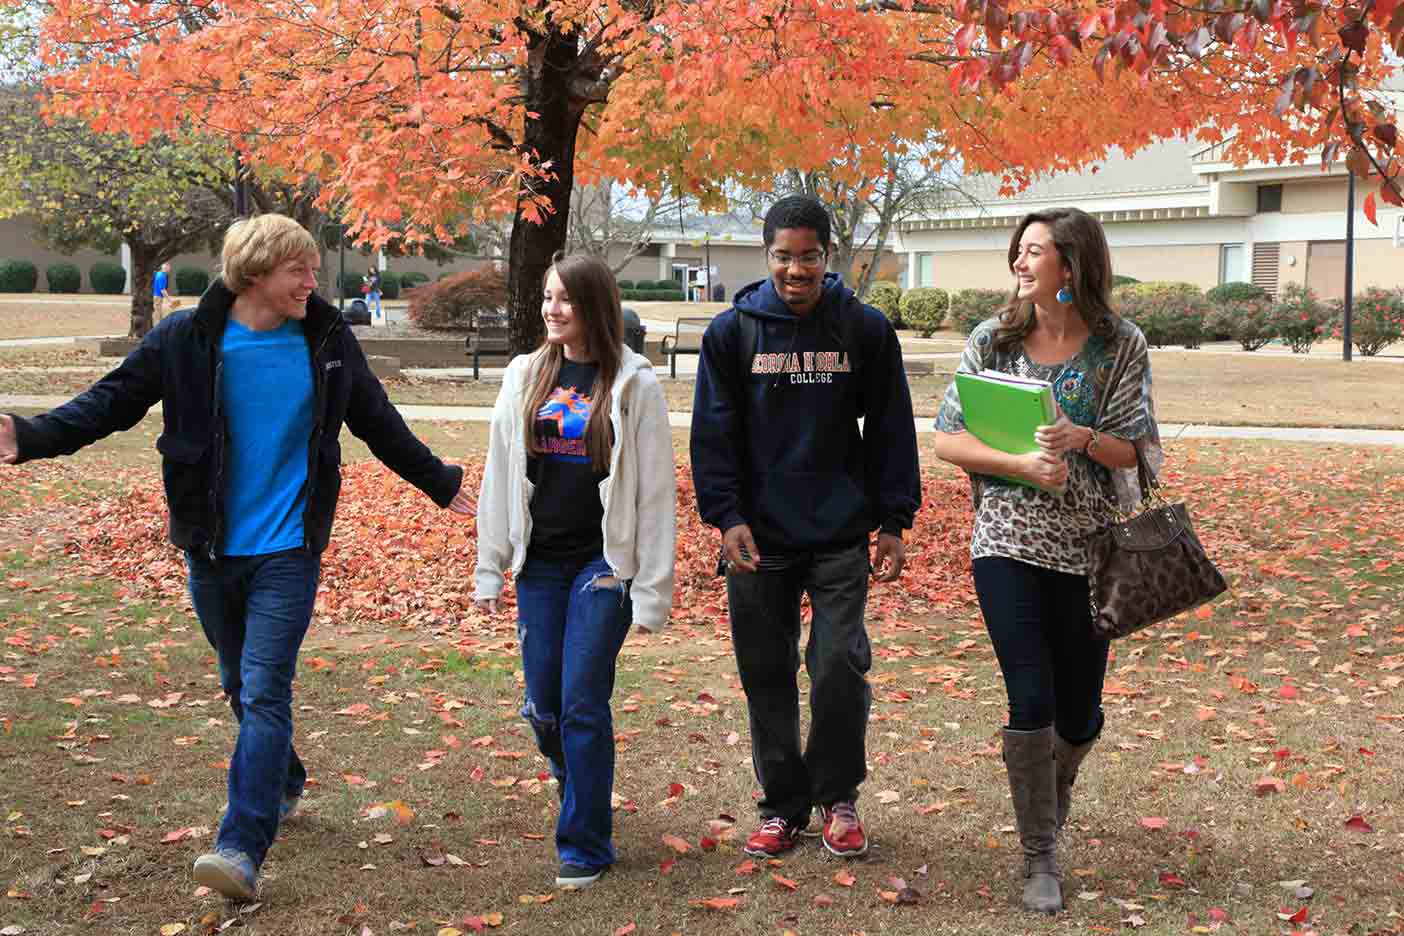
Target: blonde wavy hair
[(256, 246)]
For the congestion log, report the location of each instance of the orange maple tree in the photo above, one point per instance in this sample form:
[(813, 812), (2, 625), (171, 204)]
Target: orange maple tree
[(422, 116)]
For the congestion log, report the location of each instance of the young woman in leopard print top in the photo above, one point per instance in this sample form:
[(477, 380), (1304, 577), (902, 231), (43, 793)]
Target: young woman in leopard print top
[(1029, 547)]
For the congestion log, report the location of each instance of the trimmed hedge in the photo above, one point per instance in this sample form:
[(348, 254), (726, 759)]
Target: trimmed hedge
[(1120, 280), (1166, 313), (191, 281), (18, 276), (389, 285), (64, 278), (625, 284), (1228, 292), (351, 285), (107, 278), (412, 279), (886, 297), (970, 307), (451, 303), (924, 309), (672, 294)]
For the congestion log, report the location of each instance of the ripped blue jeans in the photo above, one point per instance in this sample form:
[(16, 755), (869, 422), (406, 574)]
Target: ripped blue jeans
[(571, 621)]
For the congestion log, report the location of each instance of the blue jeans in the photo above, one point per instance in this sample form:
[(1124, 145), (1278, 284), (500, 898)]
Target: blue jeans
[(571, 627), (255, 611)]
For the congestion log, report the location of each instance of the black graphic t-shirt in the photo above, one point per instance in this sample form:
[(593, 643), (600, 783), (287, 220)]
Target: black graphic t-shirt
[(566, 512)]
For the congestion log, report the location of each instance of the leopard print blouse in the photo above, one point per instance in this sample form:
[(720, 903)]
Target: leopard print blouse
[(1106, 385)]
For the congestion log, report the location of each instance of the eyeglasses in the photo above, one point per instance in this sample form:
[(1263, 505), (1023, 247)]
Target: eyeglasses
[(808, 261)]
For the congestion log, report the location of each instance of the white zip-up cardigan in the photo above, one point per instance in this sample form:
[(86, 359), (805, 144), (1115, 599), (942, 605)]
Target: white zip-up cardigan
[(639, 496)]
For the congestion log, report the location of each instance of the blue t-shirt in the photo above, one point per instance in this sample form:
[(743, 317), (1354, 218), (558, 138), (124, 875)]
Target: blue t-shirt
[(266, 392), (158, 283)]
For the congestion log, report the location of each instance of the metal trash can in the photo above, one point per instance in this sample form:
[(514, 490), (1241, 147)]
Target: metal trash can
[(634, 331)]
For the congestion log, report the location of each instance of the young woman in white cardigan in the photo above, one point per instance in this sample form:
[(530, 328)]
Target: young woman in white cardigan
[(578, 501)]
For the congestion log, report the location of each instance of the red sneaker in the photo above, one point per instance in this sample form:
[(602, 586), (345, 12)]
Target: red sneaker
[(843, 830), (774, 837)]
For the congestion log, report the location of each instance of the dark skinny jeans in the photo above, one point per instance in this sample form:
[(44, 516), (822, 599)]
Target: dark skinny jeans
[(1040, 623)]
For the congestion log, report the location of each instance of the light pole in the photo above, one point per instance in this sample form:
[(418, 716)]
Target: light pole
[(1350, 262)]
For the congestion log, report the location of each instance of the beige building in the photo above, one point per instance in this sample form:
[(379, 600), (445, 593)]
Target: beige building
[(1177, 211)]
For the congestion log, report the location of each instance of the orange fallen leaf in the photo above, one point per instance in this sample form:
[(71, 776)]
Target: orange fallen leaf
[(844, 878), (677, 844), (784, 881)]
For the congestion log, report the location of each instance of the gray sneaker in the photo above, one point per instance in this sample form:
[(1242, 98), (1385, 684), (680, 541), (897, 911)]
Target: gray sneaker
[(231, 873), (578, 877)]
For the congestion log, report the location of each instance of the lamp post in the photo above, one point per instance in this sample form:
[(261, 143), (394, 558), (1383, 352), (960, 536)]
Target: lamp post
[(1349, 262)]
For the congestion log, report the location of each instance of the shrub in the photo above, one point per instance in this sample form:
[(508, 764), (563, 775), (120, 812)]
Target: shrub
[(1299, 317), (1250, 322), (1228, 292), (924, 309), (886, 297), (191, 281), (64, 278), (412, 279), (451, 303), (389, 285), (1121, 280), (970, 307), (1166, 313), (18, 276), (107, 278), (625, 284), (1377, 320), (350, 285)]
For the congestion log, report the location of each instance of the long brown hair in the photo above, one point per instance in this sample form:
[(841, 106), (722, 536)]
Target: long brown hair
[(1082, 246), (594, 300)]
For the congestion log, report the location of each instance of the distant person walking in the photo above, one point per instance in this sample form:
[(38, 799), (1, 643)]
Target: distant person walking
[(161, 293), (371, 285)]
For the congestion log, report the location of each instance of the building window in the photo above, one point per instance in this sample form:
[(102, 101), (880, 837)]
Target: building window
[(1233, 264), (1269, 198), (926, 269)]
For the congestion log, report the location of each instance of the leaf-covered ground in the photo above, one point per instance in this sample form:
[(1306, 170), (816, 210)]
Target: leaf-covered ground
[(1247, 781)]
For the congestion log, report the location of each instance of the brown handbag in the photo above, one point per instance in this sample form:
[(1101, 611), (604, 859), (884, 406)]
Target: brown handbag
[(1148, 567)]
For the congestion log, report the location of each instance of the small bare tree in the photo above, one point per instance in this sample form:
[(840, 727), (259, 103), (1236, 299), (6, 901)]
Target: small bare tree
[(608, 222)]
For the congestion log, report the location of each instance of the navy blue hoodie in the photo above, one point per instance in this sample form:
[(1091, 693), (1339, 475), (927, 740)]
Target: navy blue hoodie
[(779, 448)]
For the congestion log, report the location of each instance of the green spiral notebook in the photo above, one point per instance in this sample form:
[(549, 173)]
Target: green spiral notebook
[(1002, 410)]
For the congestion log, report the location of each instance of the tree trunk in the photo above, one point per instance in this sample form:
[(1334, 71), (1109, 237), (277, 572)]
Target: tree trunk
[(551, 137), (145, 262)]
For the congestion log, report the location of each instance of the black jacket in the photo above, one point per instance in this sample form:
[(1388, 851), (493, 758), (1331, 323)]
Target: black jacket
[(179, 363)]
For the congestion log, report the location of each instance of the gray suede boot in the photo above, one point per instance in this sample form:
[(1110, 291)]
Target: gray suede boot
[(1033, 783), (1069, 758)]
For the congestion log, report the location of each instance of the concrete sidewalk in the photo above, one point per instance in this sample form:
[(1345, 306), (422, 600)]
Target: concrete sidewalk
[(1168, 431)]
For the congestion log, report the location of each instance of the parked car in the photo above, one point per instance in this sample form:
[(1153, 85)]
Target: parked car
[(356, 312)]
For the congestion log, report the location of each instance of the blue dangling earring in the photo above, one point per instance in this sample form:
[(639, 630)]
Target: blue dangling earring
[(1065, 295)]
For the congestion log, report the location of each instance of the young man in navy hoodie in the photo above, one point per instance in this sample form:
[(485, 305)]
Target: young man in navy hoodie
[(783, 470)]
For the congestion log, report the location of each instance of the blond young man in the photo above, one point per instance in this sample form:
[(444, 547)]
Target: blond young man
[(255, 384)]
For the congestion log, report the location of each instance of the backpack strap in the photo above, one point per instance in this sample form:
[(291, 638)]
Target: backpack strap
[(746, 344)]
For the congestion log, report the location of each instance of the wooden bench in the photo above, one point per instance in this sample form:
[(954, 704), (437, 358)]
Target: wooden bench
[(490, 336), (685, 339)]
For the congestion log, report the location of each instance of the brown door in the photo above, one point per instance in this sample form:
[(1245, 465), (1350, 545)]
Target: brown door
[(1325, 272)]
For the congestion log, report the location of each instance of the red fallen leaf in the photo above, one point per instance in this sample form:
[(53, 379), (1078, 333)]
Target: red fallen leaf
[(1153, 822), (784, 881), (1218, 916), (474, 923), (746, 868), (1289, 916), (177, 835), (675, 789), (716, 903), (1266, 786), (353, 780), (1287, 692), (1366, 752), (1171, 879), (360, 708), (667, 866), (844, 878), (1357, 823), (676, 844), (625, 930), (823, 900), (707, 844), (706, 697)]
